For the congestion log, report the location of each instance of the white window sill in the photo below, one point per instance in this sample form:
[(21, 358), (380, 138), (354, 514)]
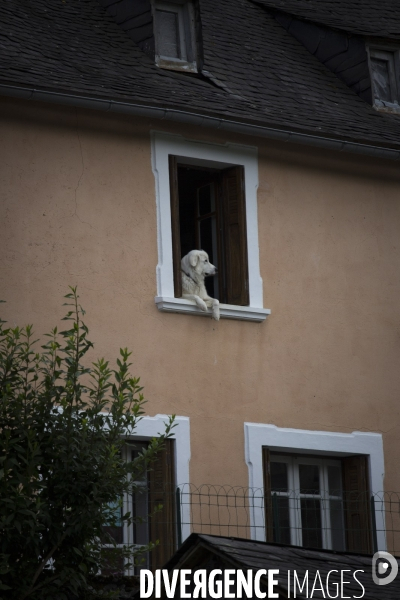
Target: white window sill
[(227, 311)]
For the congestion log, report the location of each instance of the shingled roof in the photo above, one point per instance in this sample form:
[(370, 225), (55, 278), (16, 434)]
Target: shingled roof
[(208, 551), (254, 71), (365, 17)]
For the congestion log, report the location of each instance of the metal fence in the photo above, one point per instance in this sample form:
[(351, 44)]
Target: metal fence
[(346, 522)]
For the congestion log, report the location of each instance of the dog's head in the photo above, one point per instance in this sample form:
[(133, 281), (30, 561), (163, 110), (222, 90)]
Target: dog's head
[(197, 261)]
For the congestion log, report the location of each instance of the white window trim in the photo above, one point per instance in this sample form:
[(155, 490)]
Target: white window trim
[(162, 145), (150, 427), (280, 439)]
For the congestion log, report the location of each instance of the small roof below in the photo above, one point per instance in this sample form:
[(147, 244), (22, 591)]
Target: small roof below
[(249, 554)]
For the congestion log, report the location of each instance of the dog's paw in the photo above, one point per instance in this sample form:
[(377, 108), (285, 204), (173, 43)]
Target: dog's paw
[(215, 309), (202, 305), (215, 313)]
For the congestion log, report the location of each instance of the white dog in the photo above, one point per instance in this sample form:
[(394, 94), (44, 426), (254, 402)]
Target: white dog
[(195, 267)]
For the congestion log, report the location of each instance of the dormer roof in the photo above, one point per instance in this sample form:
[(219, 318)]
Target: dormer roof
[(361, 17)]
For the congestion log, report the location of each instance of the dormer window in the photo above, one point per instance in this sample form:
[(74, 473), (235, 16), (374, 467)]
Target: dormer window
[(385, 78), (175, 41)]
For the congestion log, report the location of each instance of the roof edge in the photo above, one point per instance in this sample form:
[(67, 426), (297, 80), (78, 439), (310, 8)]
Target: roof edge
[(177, 115)]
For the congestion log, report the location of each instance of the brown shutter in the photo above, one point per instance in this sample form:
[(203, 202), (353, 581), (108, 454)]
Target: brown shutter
[(235, 236), (175, 227), (357, 504), (269, 534), (162, 492)]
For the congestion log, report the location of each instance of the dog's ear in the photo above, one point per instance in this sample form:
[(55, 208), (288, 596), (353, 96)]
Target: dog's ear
[(193, 258)]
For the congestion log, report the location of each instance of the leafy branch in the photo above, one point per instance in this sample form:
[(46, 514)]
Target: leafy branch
[(63, 423)]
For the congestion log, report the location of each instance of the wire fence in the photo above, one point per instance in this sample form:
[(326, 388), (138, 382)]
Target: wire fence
[(350, 521), (342, 521)]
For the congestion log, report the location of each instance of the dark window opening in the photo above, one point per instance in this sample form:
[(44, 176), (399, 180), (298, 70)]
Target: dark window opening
[(209, 213), (199, 223)]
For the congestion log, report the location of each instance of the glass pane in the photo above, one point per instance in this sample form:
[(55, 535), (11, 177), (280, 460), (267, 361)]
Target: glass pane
[(309, 479), (112, 563), (115, 530), (334, 480), (311, 522), (208, 242), (381, 79), (115, 533), (279, 477), (168, 34), (281, 521), (337, 528), (140, 512), (206, 237), (142, 476), (205, 200)]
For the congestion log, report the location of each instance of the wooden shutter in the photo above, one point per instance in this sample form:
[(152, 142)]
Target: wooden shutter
[(269, 533), (235, 236), (357, 511), (175, 227), (162, 492)]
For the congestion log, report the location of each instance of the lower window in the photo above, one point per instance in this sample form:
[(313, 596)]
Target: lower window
[(153, 508), (318, 502)]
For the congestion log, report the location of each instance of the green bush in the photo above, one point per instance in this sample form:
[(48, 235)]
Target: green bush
[(62, 428)]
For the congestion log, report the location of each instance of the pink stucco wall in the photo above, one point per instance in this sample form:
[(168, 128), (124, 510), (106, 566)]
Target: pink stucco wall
[(78, 208)]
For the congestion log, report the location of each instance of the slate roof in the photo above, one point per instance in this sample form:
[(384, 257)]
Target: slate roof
[(248, 554), (255, 72), (366, 17)]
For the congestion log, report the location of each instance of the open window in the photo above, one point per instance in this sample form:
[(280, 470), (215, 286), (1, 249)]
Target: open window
[(206, 195), (208, 212), (174, 33), (318, 501)]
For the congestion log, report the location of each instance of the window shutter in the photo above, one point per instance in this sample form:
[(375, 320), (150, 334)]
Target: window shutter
[(269, 534), (176, 237), (162, 492), (357, 504), (235, 236)]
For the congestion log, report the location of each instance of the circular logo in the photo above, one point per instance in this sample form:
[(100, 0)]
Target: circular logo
[(384, 568)]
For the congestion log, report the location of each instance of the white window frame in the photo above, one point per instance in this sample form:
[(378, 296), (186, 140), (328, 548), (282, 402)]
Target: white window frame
[(146, 429), (392, 54), (294, 494), (217, 156), (187, 37), (333, 444)]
